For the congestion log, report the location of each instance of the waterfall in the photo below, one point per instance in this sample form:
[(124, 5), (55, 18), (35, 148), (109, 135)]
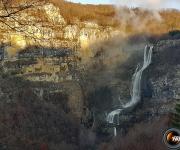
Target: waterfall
[(115, 131), (136, 79), (112, 114), (136, 86)]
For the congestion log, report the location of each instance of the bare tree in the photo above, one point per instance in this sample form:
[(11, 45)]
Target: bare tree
[(11, 15)]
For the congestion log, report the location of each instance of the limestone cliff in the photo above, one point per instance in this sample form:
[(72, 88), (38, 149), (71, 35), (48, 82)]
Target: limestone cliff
[(45, 26), (165, 81), (161, 82)]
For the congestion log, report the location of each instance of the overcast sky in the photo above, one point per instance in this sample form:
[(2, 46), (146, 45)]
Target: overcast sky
[(139, 3)]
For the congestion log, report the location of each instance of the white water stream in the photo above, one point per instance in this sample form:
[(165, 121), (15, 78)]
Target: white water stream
[(136, 87)]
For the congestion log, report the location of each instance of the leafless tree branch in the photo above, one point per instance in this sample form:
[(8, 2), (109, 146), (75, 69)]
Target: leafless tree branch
[(10, 13)]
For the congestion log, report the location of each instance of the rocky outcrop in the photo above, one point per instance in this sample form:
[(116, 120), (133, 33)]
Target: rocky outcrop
[(53, 14), (166, 66), (52, 30), (163, 78)]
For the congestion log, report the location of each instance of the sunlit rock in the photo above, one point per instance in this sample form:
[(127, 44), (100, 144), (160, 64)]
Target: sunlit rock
[(53, 14)]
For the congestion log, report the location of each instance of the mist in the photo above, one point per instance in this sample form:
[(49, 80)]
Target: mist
[(113, 63), (148, 4)]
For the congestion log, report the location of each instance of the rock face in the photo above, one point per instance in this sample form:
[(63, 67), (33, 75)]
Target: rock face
[(46, 27), (168, 53), (40, 80), (163, 78), (160, 87), (160, 84), (48, 49), (53, 13)]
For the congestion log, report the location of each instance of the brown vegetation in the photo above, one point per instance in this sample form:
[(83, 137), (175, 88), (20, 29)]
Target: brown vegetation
[(102, 14), (143, 136), (107, 15), (130, 20), (29, 123)]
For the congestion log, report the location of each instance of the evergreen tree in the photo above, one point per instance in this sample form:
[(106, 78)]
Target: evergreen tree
[(176, 117)]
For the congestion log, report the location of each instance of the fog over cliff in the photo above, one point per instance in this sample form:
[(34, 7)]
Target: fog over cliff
[(148, 4)]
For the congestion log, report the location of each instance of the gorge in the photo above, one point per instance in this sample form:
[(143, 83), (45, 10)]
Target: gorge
[(69, 76)]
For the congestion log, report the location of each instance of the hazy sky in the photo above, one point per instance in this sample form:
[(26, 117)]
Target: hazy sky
[(141, 3)]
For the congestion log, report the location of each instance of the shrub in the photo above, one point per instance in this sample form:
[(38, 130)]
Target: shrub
[(174, 33), (176, 117), (143, 136)]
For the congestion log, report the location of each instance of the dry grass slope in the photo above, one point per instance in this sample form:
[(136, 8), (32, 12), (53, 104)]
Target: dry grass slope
[(106, 15), (102, 14)]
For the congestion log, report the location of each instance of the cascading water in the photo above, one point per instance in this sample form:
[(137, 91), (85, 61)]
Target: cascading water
[(136, 80), (136, 87)]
